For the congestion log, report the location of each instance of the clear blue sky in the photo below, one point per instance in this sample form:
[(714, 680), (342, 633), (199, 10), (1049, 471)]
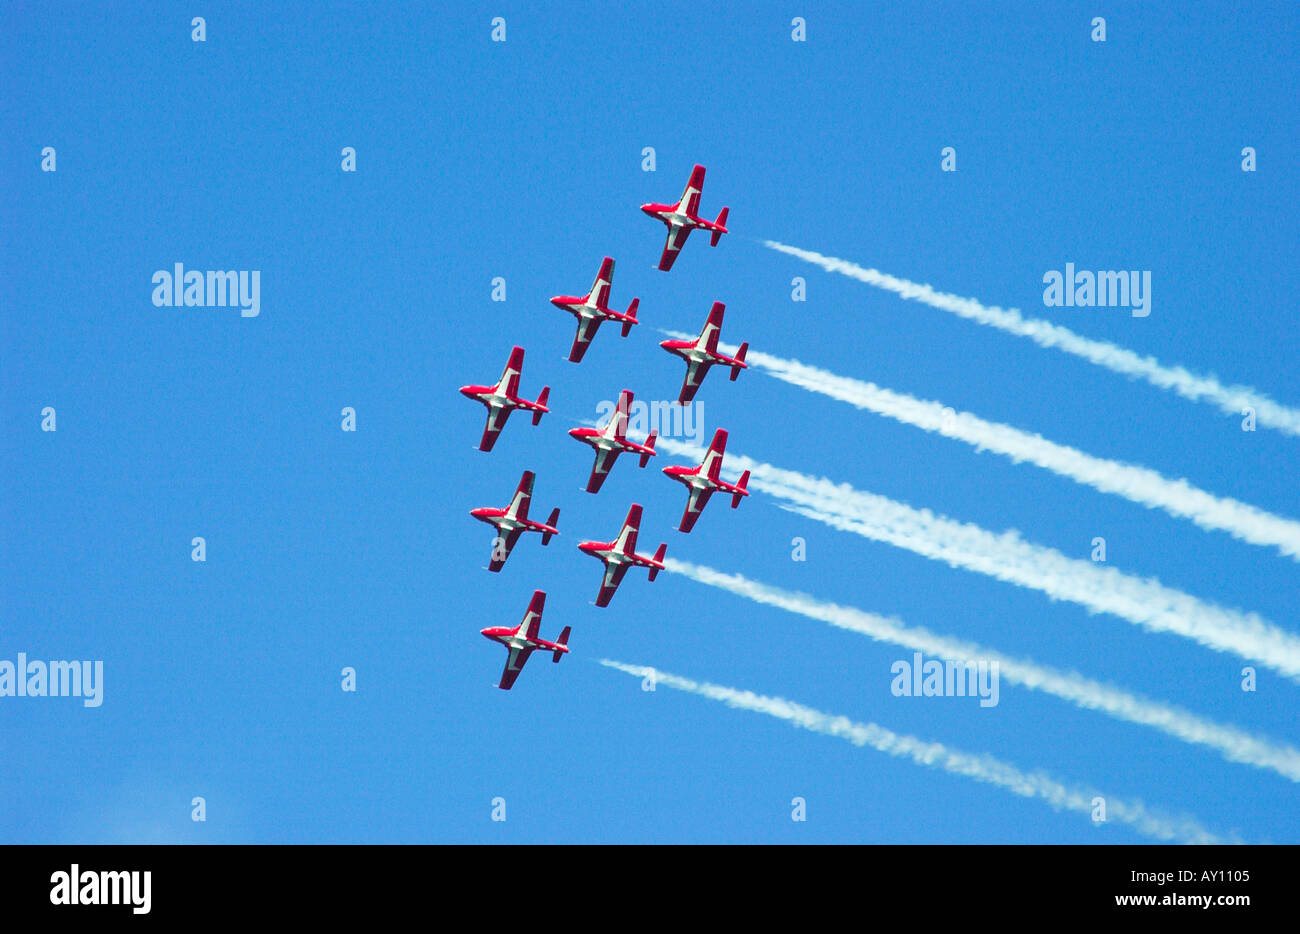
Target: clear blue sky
[(523, 160)]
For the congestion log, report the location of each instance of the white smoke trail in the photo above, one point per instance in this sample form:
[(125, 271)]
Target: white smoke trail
[(1233, 744), (1139, 484), (1008, 557), (981, 767), (1229, 399)]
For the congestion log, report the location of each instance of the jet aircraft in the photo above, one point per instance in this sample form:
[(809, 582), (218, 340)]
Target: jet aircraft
[(593, 308), (683, 217), (503, 398), (702, 353), (523, 640), (611, 441), (620, 554), (705, 480), (513, 522)]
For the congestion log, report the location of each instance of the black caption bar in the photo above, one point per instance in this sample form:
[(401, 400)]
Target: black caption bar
[(169, 884)]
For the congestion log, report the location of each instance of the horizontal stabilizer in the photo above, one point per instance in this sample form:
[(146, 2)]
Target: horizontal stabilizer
[(631, 313), (650, 443), (721, 222), (551, 521), (541, 402), (740, 359), (740, 490), (563, 643), (659, 558)]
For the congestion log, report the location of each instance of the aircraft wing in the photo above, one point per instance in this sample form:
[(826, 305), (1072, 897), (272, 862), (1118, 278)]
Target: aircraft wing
[(518, 507), (501, 549), (694, 506), (676, 240), (712, 466), (587, 328), (626, 541), (613, 577), (605, 459), (690, 200), (510, 375), (695, 373), (600, 288), (496, 420), (515, 662)]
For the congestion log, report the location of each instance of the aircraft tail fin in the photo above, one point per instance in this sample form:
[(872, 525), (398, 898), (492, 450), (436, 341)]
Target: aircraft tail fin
[(722, 225), (659, 557), (563, 643), (631, 313), (551, 521), (740, 490), (650, 443), (740, 360)]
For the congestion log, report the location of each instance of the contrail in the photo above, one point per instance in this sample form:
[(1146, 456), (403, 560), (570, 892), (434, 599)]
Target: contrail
[(1229, 399), (1008, 557), (1233, 744), (981, 767), (1139, 484)]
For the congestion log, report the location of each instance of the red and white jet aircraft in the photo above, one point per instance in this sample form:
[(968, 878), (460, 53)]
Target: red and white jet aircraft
[(703, 481), (611, 441), (620, 554), (503, 398), (522, 640), (513, 521), (683, 217), (702, 353), (593, 308)]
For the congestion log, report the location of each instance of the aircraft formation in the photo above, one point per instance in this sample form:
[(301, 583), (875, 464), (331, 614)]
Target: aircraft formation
[(609, 441)]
